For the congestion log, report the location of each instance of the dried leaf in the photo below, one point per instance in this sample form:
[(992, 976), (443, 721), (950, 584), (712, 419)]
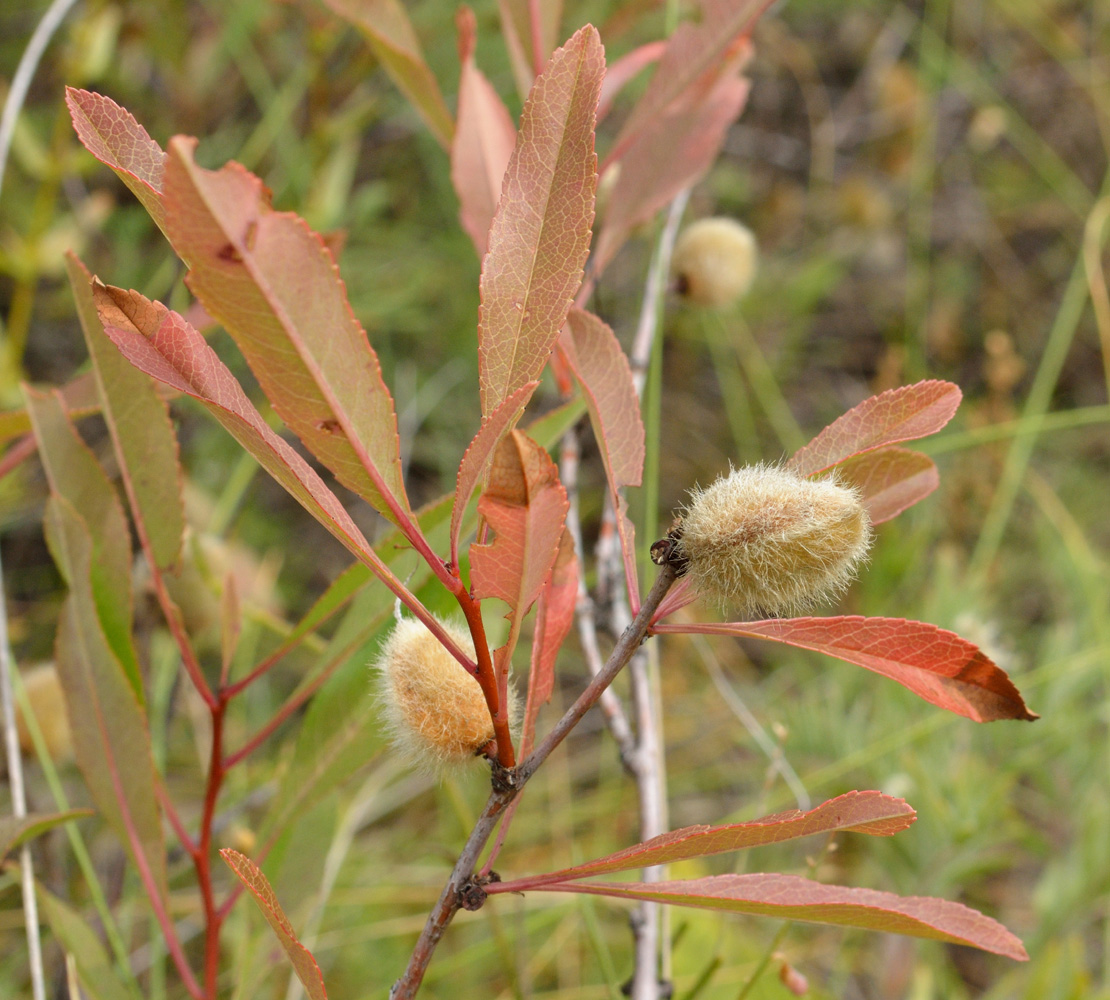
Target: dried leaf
[(932, 662), (912, 411), (142, 434), (387, 29), (857, 812), (541, 232), (483, 143), (274, 286), (790, 897), (890, 480), (308, 972)]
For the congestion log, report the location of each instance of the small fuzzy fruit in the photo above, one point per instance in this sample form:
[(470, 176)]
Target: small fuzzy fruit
[(434, 709), (714, 261), (48, 704), (764, 540)]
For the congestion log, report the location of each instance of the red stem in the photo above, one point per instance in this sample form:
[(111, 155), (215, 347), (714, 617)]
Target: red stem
[(170, 810), (203, 857), (19, 452)]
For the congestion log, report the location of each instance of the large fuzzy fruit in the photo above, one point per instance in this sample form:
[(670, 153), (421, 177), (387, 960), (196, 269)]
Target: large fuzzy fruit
[(765, 541), (714, 261), (433, 707)]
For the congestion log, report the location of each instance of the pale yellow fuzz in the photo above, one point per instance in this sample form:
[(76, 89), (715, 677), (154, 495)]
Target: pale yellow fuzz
[(765, 541), (714, 261), (44, 692), (434, 709)]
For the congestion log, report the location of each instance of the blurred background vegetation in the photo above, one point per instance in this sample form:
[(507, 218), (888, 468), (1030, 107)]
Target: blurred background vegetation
[(924, 180)]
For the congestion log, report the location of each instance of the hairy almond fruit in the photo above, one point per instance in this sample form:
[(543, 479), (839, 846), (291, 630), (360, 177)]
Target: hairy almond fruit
[(765, 541), (433, 707), (714, 261)]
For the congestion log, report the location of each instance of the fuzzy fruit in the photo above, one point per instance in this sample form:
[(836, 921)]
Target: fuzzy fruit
[(765, 541), (714, 261), (48, 704), (433, 707)]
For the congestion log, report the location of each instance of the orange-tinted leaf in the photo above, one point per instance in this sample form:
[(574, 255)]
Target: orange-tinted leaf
[(541, 231), (790, 897), (274, 286), (308, 972), (912, 411), (516, 27), (670, 153), (695, 49), (113, 136), (858, 812), (602, 370), (14, 832), (890, 480), (554, 618), (387, 28), (477, 457), (159, 342), (932, 662), (139, 423), (526, 507), (483, 143), (75, 475)]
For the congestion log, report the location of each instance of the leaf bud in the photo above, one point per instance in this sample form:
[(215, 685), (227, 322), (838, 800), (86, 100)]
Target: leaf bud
[(766, 541), (714, 261), (433, 707)]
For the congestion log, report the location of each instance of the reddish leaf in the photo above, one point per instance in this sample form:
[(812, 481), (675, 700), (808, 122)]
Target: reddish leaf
[(541, 232), (274, 285), (304, 965), (903, 414), (602, 370), (526, 506), (670, 153), (932, 662), (14, 832), (694, 50), (139, 423), (477, 457), (483, 143), (520, 35), (624, 70), (76, 476), (858, 812), (387, 29), (160, 343), (789, 897), (554, 618), (113, 136), (890, 480)]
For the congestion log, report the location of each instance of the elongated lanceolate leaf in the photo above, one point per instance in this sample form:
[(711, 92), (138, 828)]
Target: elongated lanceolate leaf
[(670, 153), (541, 232), (554, 618), (308, 972), (693, 50), (904, 414), (526, 507), (890, 480), (113, 136), (387, 28), (483, 143), (858, 812), (625, 69), (14, 832), (79, 396), (74, 933), (110, 737), (139, 422), (477, 457), (601, 368), (932, 662), (274, 285), (790, 897), (76, 476), (520, 35)]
